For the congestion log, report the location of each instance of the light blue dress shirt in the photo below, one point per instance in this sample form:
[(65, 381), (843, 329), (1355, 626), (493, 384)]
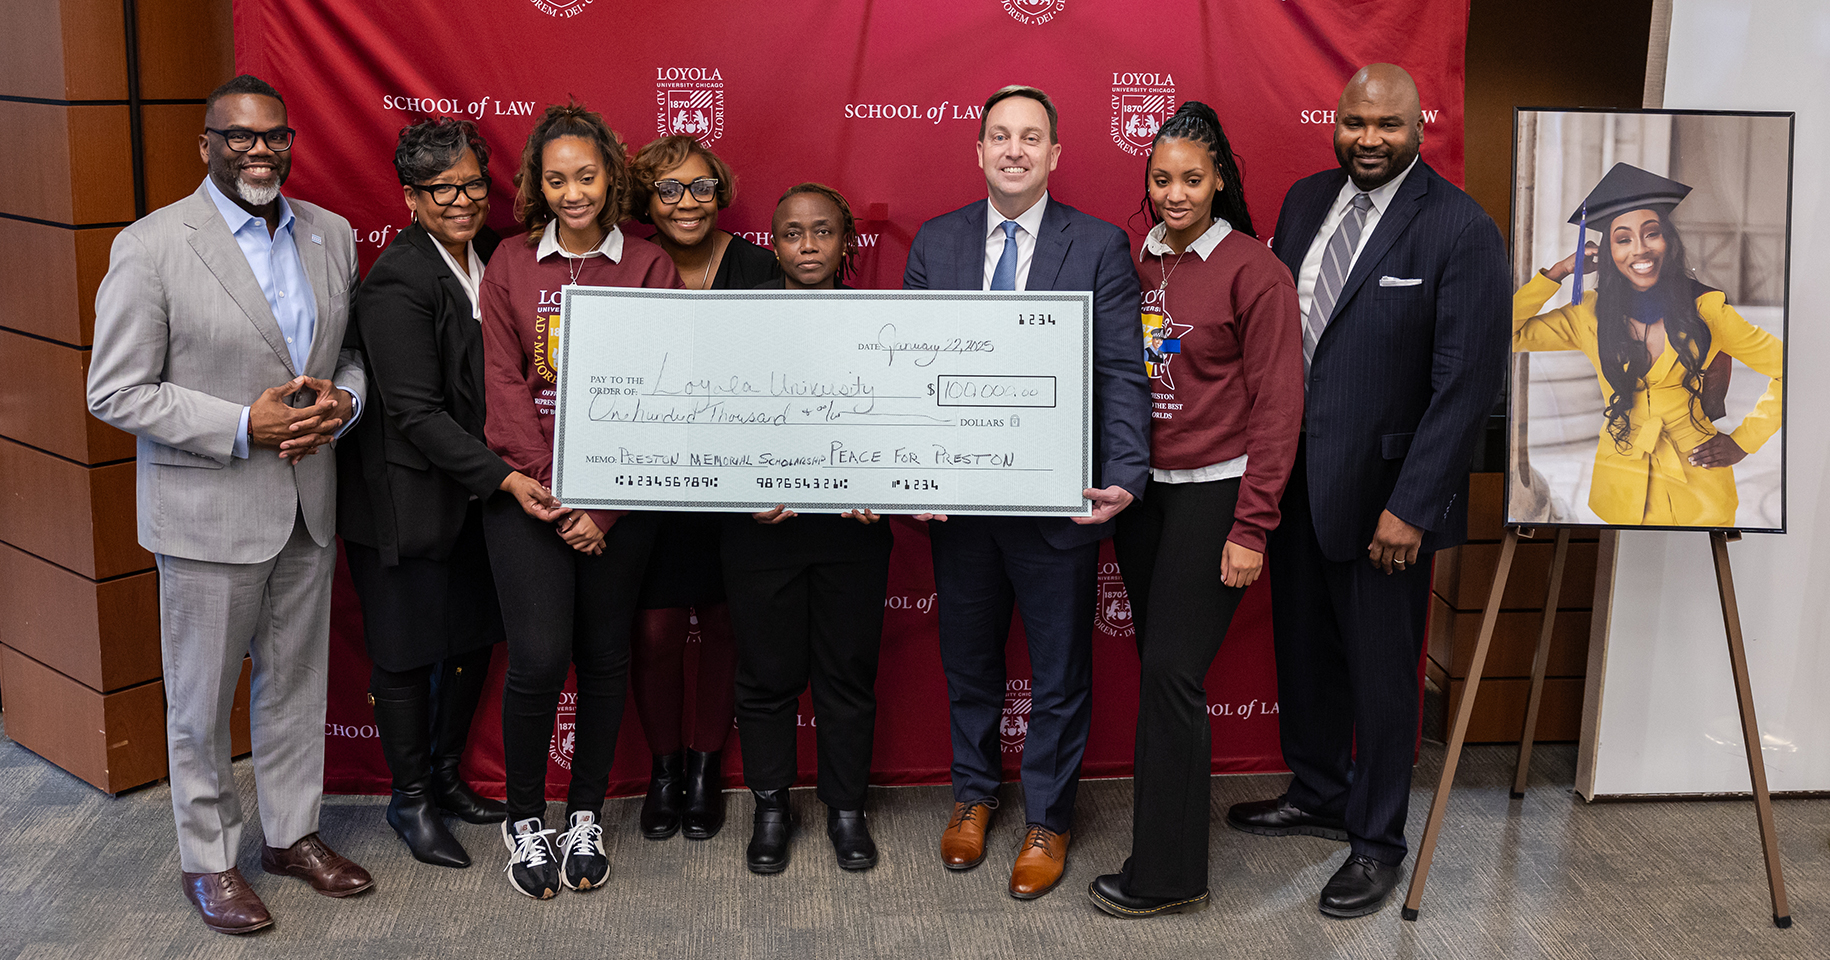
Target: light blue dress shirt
[(281, 275)]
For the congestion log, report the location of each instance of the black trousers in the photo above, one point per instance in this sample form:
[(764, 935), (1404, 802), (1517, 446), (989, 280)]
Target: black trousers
[(422, 611), (1348, 638), (1168, 547), (806, 601), (563, 609)]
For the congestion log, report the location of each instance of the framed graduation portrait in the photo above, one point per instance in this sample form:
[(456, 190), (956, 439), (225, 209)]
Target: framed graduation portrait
[(1651, 252)]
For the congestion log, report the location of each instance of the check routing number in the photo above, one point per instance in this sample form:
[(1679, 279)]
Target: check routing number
[(902, 401)]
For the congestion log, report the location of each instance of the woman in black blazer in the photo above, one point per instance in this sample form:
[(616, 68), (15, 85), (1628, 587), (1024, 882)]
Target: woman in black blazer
[(412, 481), (807, 603), (679, 188)]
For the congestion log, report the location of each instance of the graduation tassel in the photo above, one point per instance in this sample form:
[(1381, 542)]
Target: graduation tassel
[(1582, 252)]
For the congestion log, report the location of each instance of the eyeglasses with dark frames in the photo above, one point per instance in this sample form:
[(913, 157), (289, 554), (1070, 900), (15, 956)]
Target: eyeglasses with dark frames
[(670, 191), (241, 140), (446, 194)]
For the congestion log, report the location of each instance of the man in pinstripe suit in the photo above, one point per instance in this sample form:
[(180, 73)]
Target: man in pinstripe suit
[(1402, 281)]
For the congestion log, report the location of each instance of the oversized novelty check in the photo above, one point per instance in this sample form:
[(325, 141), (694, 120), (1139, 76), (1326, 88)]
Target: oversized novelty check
[(900, 401)]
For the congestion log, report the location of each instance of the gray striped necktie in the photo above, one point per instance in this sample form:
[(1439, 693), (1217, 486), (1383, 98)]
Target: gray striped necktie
[(1335, 261)]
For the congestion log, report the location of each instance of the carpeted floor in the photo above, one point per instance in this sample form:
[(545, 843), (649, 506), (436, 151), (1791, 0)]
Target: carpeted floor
[(83, 876)]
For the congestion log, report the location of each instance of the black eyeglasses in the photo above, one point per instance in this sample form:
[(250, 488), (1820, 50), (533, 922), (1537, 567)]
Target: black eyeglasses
[(670, 191), (279, 139), (446, 194)]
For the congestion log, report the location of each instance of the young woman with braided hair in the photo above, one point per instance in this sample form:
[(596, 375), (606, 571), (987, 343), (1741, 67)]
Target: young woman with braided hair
[(1224, 349)]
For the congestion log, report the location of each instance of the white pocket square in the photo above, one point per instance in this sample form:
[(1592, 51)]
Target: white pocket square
[(1400, 281)]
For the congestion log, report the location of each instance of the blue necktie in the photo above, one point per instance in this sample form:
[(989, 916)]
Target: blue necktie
[(1004, 275)]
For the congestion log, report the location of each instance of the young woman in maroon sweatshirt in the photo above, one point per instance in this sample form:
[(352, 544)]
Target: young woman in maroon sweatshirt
[(1223, 344), (567, 589)]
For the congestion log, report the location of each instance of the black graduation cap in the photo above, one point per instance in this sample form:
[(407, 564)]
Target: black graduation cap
[(1625, 187)]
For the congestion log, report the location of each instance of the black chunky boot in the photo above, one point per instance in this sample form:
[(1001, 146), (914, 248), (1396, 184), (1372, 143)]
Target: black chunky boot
[(768, 850), (704, 796), (851, 839), (400, 719), (666, 795), (458, 687)]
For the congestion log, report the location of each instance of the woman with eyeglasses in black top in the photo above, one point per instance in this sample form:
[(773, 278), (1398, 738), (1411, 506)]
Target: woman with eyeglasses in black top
[(679, 186)]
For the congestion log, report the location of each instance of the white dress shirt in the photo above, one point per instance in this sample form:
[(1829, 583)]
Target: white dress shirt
[(610, 246), (470, 279), (1202, 247), (274, 259), (1029, 225), (1311, 270)]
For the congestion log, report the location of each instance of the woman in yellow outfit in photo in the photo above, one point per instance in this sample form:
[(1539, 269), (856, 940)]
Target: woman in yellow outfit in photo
[(1661, 462)]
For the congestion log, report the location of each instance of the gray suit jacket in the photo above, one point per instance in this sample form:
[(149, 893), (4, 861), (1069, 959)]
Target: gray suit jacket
[(183, 340)]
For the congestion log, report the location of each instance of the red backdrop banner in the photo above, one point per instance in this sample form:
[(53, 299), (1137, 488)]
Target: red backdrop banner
[(881, 100)]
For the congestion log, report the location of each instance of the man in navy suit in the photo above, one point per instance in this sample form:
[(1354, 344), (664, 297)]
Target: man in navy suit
[(1402, 281), (1021, 239)]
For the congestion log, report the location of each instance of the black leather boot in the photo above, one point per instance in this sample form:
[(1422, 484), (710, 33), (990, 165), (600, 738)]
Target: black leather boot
[(666, 795), (704, 813), (401, 721), (851, 839), (768, 850), (458, 686)]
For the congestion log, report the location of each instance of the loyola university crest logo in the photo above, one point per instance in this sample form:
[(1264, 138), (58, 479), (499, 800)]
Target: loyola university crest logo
[(690, 102), (563, 9), (1114, 613), (565, 731), (1014, 727), (1034, 11), (1140, 104)]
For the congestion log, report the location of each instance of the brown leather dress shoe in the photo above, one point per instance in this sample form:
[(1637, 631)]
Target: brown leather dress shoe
[(962, 844), (1040, 862), (329, 872), (225, 901)]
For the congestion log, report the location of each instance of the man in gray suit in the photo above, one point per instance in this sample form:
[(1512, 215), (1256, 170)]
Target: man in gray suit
[(218, 343)]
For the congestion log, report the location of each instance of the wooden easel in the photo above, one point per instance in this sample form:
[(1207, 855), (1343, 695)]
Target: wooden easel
[(1458, 731)]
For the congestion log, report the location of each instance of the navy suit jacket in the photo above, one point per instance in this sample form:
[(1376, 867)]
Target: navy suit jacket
[(1404, 376), (1074, 252)]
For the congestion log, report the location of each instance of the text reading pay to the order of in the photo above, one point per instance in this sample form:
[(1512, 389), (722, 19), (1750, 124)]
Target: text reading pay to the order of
[(901, 401)]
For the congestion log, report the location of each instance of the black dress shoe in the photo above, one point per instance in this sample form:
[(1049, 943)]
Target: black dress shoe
[(768, 849), (1106, 895), (1359, 887), (1278, 818), (666, 796), (704, 813), (851, 839)]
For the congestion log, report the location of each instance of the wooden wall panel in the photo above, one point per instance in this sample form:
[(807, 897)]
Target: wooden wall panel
[(173, 167), (105, 635), (42, 388), (1499, 710), (112, 740), (187, 47), (32, 50), (69, 165), (1464, 574), (80, 518), (94, 50), (47, 288), (1515, 639)]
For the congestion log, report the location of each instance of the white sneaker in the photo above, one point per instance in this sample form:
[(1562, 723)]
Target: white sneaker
[(532, 867), (585, 862)]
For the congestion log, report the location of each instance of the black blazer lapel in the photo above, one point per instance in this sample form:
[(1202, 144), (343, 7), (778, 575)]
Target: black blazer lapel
[(1396, 218), (463, 370), (1052, 245)]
